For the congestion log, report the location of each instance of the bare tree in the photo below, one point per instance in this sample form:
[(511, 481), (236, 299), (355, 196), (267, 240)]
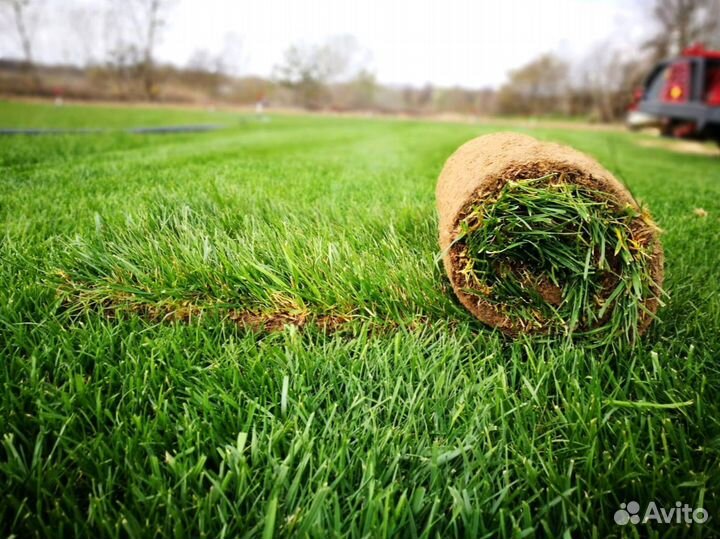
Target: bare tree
[(151, 13), (303, 71), (307, 70), (418, 100), (356, 94), (137, 25), (607, 78), (20, 19), (680, 23), (538, 87)]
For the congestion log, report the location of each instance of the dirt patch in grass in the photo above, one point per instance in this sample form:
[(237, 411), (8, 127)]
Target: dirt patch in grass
[(77, 300), (258, 321)]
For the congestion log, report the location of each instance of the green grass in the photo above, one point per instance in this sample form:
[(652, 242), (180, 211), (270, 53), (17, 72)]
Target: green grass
[(134, 403), (559, 258)]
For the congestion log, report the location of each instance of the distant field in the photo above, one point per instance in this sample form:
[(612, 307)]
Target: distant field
[(244, 333)]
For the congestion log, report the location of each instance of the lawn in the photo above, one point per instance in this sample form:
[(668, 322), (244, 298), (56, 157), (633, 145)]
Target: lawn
[(246, 333)]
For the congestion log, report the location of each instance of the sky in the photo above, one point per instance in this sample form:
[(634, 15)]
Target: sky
[(470, 43)]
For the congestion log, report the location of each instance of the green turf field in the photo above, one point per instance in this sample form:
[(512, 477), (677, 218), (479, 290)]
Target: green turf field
[(245, 333)]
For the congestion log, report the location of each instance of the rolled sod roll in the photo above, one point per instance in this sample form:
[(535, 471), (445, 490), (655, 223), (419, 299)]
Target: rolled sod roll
[(538, 237)]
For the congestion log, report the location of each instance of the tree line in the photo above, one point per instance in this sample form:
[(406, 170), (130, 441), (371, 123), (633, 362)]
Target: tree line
[(334, 74)]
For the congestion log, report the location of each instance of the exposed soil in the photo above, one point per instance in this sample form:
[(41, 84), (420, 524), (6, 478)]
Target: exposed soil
[(76, 301)]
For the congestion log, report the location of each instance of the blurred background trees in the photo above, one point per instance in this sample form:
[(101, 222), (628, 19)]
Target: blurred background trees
[(114, 46), (18, 16), (134, 28), (680, 23), (310, 70), (539, 87)]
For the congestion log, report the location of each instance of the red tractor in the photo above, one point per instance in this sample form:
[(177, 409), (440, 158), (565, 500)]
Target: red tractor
[(682, 96)]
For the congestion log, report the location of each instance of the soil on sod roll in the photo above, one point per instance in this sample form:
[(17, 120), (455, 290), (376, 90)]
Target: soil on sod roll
[(539, 238)]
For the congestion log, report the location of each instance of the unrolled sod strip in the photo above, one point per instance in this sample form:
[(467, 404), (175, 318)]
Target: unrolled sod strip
[(479, 187)]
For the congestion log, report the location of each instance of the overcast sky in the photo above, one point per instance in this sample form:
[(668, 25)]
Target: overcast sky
[(472, 43)]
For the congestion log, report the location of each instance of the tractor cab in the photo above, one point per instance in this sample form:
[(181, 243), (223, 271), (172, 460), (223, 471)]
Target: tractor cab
[(682, 96)]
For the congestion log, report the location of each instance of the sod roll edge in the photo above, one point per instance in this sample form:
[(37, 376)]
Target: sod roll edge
[(563, 245)]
